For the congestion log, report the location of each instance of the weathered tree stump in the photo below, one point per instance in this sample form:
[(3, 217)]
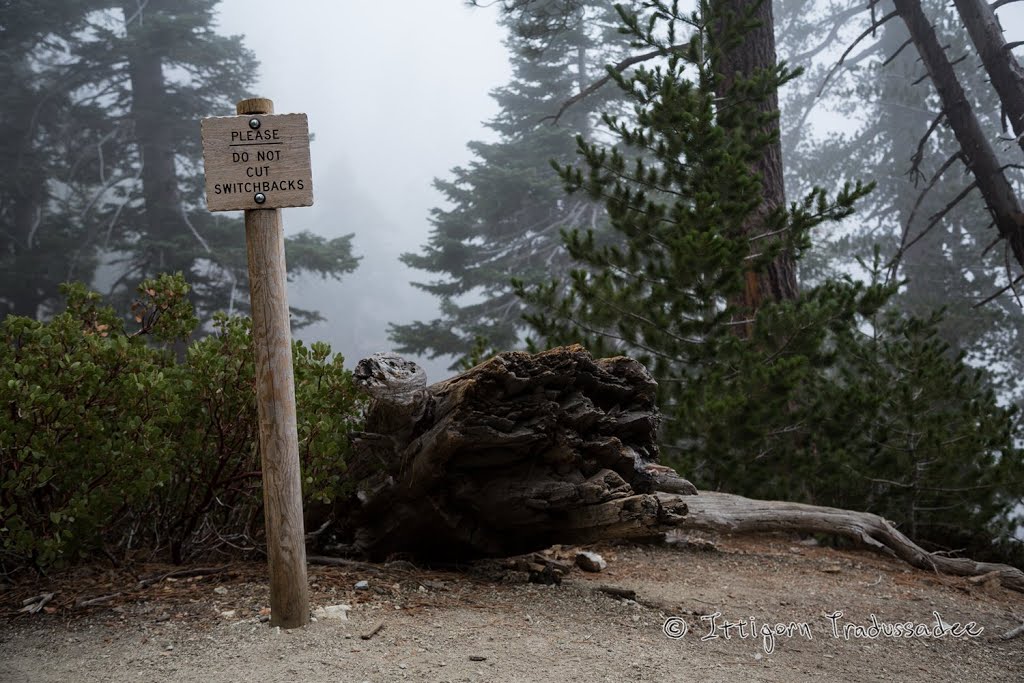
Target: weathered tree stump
[(516, 454)]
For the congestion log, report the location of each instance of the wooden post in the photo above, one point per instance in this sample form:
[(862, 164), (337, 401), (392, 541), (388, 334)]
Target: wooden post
[(275, 398)]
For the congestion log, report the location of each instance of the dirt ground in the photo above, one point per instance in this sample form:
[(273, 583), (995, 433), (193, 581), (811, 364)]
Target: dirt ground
[(478, 626)]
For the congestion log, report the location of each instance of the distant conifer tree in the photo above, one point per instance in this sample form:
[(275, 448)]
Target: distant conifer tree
[(109, 96), (506, 207)]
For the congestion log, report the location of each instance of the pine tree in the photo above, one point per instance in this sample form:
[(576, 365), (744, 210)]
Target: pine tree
[(671, 287), (49, 152), (166, 225), (827, 399), (946, 263), (118, 171), (507, 205)]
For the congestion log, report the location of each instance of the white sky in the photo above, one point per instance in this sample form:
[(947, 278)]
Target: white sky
[(394, 90)]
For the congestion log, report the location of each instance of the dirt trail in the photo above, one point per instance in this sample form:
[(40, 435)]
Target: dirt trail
[(445, 626)]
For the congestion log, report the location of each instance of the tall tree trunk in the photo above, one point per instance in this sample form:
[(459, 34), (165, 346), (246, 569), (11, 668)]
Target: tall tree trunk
[(981, 159), (30, 194), (163, 219), (1002, 67), (757, 53)]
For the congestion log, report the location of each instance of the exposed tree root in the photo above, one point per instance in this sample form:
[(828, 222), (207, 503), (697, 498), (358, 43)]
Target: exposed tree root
[(724, 512)]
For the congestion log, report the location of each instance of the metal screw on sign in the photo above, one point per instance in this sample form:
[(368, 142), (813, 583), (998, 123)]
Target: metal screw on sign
[(254, 123), (259, 198)]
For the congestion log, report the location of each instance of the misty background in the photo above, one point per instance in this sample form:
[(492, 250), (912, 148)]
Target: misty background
[(393, 91)]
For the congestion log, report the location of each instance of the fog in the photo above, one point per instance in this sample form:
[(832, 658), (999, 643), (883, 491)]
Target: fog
[(393, 91)]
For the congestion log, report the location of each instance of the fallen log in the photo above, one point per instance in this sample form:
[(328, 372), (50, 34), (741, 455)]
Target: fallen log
[(516, 454), (526, 451)]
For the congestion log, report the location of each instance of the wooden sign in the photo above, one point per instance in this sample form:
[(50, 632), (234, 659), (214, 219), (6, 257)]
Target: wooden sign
[(258, 161)]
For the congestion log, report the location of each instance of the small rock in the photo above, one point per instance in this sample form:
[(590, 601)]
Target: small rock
[(758, 656), (833, 569), (590, 562), (220, 590), (228, 614), (169, 648), (362, 585), (337, 612), (477, 658)]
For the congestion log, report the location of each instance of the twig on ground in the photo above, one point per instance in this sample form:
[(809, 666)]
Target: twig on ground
[(1013, 632), (341, 562), (624, 593), (374, 631), (79, 602), (35, 604), (182, 573)]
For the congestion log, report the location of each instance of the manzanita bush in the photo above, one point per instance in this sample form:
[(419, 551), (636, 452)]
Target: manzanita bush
[(118, 440)]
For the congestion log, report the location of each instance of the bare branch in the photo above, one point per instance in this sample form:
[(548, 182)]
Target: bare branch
[(840, 21), (867, 32), (915, 172), (999, 195), (601, 82), (942, 169), (894, 55), (904, 245), (999, 293)]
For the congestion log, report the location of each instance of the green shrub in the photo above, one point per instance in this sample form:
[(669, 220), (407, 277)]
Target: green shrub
[(112, 444)]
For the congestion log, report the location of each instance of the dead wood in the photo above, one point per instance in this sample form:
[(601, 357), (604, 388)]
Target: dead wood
[(181, 574), (373, 631), (526, 451), (1015, 632), (725, 512), (617, 592), (89, 602), (35, 604), (516, 454)]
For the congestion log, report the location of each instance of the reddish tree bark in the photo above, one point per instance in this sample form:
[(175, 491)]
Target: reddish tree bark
[(755, 54)]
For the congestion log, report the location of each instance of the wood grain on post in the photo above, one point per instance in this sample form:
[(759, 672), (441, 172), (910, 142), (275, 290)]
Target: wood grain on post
[(275, 398)]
